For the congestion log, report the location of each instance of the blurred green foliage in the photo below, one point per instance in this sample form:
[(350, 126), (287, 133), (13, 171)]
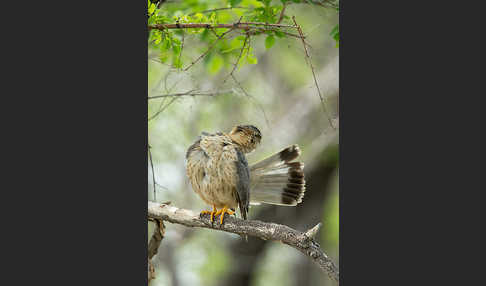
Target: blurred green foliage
[(170, 42), (335, 34), (330, 217)]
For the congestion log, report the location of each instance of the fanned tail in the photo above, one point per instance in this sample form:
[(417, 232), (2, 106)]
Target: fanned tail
[(278, 181)]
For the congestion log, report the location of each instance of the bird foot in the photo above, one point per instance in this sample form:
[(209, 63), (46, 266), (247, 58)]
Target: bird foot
[(212, 213), (222, 212)]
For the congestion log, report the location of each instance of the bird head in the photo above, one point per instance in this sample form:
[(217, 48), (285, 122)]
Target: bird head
[(246, 136)]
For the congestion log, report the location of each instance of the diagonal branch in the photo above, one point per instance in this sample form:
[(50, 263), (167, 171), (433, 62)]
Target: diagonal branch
[(191, 93), (158, 235), (153, 247), (209, 49), (308, 60), (282, 13), (153, 173), (162, 108), (302, 241)]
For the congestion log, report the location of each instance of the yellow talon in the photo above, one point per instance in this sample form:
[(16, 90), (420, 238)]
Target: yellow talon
[(213, 212), (222, 212)]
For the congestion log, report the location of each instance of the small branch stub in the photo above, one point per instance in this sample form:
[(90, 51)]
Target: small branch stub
[(311, 233)]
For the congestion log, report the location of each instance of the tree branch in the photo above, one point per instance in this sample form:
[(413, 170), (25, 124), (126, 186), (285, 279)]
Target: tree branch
[(150, 270), (238, 25), (153, 247), (157, 236), (302, 241)]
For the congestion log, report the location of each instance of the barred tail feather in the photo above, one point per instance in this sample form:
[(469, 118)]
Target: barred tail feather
[(278, 181)]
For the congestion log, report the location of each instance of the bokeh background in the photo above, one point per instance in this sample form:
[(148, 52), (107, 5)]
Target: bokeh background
[(280, 98)]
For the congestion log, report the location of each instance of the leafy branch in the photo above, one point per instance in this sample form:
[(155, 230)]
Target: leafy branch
[(237, 25)]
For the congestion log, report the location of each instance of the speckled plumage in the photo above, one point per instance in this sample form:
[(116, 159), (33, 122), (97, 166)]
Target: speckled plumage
[(219, 173), (214, 171)]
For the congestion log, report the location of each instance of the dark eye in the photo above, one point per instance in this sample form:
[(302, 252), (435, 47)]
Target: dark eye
[(225, 144)]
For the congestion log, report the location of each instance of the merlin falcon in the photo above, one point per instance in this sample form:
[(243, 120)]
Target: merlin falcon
[(219, 173)]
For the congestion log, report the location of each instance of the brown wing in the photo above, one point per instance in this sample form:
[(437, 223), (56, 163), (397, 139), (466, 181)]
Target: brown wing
[(242, 183)]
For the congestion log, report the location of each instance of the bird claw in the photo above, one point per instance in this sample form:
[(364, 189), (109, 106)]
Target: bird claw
[(212, 213), (223, 211)]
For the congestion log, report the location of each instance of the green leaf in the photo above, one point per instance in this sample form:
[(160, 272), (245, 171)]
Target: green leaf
[(215, 64), (198, 17), (212, 18), (269, 41), (177, 62), (176, 48), (251, 59), (335, 30), (176, 41), (279, 34), (266, 2), (335, 34), (166, 44), (234, 3), (235, 44), (164, 56), (151, 8), (158, 38)]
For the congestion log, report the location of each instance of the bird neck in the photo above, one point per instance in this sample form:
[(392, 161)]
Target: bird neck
[(241, 141)]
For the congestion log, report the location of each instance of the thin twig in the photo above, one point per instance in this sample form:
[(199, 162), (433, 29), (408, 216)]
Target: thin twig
[(153, 173), (249, 96), (190, 93), (216, 10), (302, 241), (214, 32), (208, 50), (163, 187), (262, 30), (282, 13), (162, 109), (309, 62), (182, 47), (171, 95), (323, 4), (235, 65), (239, 57)]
